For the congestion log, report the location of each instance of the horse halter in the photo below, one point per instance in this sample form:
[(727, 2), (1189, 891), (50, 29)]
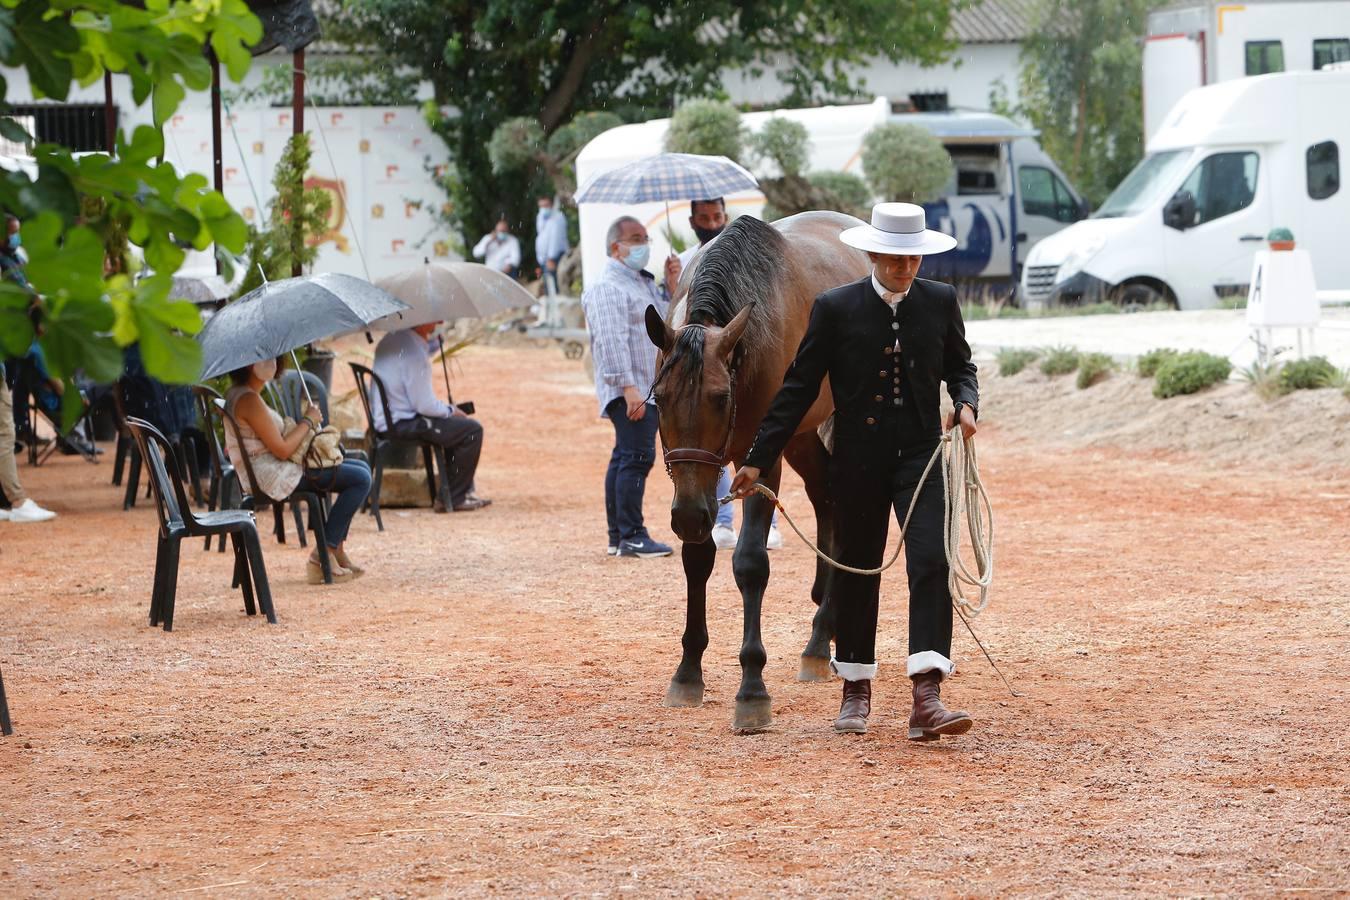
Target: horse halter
[(698, 454)]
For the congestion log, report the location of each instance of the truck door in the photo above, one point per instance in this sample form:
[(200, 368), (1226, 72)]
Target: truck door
[(1213, 224), (1047, 205)]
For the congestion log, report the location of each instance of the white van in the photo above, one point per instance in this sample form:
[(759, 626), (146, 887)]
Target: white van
[(995, 215), (1231, 162)]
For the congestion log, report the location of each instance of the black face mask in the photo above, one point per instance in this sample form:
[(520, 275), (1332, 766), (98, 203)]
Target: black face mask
[(707, 234)]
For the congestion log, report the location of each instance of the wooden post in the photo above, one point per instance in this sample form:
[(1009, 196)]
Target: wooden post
[(298, 120), (109, 115)]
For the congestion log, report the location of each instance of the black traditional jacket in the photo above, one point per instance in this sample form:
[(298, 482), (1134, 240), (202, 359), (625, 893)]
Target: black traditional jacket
[(852, 339)]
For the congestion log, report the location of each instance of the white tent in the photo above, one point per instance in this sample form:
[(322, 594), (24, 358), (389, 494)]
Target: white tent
[(836, 135)]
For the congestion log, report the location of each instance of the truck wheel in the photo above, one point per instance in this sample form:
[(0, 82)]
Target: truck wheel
[(1138, 297)]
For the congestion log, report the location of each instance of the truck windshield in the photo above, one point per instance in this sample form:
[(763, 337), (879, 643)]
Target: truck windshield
[(1141, 187)]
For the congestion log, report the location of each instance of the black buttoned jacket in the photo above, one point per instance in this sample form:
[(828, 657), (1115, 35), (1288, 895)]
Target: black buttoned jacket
[(850, 338)]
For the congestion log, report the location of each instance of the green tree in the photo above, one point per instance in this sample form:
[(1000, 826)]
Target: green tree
[(706, 127), (785, 146), (492, 60), (297, 216), (88, 312), (1081, 87), (905, 162)]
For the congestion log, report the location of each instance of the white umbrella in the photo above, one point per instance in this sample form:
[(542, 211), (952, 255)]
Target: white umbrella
[(446, 291)]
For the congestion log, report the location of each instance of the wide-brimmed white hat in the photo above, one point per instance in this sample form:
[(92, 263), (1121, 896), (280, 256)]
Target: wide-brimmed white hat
[(898, 229)]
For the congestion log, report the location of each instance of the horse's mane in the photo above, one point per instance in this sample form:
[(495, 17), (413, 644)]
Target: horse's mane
[(743, 267)]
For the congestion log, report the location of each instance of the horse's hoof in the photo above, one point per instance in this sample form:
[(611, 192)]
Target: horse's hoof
[(684, 695), (754, 714), (814, 668)]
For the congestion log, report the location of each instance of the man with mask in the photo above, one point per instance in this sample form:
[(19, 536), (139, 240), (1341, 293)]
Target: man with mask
[(550, 241), (499, 249), (707, 218), (625, 366)]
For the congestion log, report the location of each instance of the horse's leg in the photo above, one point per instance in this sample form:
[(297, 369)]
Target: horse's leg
[(809, 458), (686, 688), (750, 563)]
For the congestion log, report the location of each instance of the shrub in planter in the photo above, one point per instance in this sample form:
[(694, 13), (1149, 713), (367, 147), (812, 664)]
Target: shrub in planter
[(1147, 365), (1307, 374), (1092, 368), (1012, 360), (1189, 372), (1059, 361)]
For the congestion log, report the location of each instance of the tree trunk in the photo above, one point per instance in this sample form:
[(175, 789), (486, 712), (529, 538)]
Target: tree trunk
[(559, 100), (1081, 132)]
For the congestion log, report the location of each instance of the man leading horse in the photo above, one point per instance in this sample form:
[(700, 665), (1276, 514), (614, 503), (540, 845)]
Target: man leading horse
[(885, 341)]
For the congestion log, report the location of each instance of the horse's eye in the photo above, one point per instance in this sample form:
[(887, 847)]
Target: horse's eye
[(722, 400)]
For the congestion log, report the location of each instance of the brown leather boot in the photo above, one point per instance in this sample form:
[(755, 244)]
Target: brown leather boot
[(853, 710), (930, 719)]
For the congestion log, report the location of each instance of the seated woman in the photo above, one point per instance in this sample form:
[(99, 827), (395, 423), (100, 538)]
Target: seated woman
[(269, 449)]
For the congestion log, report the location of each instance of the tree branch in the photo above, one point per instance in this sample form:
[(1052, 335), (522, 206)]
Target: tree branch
[(559, 100)]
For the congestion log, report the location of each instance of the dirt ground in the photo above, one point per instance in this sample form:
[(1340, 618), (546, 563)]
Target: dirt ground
[(481, 713)]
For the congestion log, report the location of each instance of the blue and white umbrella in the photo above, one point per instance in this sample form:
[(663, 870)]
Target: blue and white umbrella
[(668, 176)]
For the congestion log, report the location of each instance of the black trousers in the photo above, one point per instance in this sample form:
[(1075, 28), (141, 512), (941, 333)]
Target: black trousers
[(460, 435), (871, 479)]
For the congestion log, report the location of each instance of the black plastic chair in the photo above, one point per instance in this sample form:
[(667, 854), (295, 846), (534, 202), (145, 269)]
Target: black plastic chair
[(380, 442), (177, 521), (222, 490), (6, 726), (317, 518)]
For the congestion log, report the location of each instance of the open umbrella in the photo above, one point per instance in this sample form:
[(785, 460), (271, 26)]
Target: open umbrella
[(282, 315), (446, 291), (668, 176), (205, 290)]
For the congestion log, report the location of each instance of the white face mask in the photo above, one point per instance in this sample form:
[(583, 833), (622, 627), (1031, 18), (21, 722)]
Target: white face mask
[(266, 370)]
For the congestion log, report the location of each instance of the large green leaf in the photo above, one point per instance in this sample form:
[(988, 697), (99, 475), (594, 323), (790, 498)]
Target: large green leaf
[(63, 264), (16, 328), (75, 337), (43, 46), (146, 143)]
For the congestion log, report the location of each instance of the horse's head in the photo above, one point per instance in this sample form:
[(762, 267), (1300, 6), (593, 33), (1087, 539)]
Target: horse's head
[(695, 393)]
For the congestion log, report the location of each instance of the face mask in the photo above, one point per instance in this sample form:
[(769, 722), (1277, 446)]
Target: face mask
[(545, 212), (637, 257), (15, 240), (501, 235), (707, 234), (266, 370)]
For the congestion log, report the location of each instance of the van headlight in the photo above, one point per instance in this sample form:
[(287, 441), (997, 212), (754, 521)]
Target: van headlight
[(1080, 256)]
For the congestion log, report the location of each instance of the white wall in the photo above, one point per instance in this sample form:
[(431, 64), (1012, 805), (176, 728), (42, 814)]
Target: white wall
[(967, 78)]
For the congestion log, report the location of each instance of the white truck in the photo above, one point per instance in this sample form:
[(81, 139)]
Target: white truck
[(1192, 43), (1230, 162), (1005, 193)]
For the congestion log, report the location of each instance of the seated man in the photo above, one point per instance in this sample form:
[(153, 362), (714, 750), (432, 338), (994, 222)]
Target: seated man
[(404, 367)]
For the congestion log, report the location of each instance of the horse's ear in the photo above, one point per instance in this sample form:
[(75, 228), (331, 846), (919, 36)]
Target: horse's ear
[(731, 335), (659, 331)]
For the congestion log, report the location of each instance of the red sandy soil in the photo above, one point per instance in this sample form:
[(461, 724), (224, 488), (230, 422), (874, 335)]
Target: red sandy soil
[(481, 713)]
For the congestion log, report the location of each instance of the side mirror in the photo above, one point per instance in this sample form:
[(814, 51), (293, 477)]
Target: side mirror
[(1084, 209), (1179, 213)]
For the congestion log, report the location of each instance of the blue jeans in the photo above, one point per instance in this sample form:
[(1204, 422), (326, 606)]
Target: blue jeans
[(726, 515), (350, 481), (626, 479)]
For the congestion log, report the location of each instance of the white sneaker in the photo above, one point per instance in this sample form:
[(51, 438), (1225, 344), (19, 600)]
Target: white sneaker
[(28, 511), (775, 541), (724, 536)]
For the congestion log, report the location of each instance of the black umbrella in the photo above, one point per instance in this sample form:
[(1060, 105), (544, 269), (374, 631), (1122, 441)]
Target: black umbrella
[(283, 315)]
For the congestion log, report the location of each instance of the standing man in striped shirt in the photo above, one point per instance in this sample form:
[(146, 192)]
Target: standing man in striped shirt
[(625, 365)]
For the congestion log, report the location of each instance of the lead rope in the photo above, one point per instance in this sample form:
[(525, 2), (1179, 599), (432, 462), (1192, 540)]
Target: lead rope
[(963, 496)]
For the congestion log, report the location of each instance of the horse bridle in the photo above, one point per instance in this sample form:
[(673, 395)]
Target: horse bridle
[(698, 454)]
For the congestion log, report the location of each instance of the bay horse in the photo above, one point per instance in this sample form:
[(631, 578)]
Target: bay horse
[(723, 354)]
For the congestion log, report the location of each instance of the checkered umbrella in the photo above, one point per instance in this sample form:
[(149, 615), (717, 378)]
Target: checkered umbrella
[(668, 176)]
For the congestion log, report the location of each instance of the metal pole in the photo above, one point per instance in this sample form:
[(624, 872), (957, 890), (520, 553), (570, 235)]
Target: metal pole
[(298, 119), (109, 115), (217, 163)]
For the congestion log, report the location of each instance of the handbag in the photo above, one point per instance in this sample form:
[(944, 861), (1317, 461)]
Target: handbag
[(322, 450)]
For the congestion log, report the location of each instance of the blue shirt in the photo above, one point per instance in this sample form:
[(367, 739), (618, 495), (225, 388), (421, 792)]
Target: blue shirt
[(616, 311), (550, 239)]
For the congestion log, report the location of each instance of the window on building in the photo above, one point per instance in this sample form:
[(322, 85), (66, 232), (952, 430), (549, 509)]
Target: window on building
[(75, 126), (1221, 185), (1324, 170), (1264, 56), (1043, 194), (1330, 50)]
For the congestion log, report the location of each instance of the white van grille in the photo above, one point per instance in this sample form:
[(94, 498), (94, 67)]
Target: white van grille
[(1040, 279)]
